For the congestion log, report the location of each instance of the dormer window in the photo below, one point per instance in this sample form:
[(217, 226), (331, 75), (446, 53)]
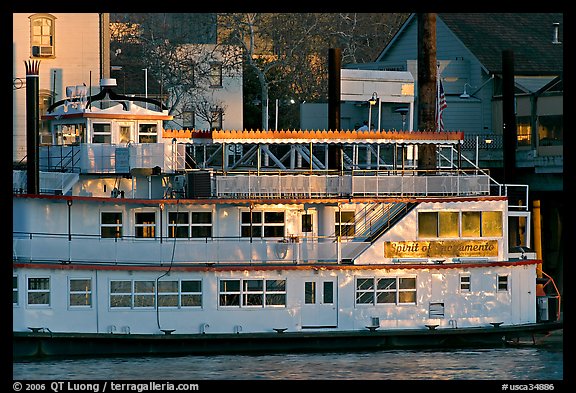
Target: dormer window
[(42, 35)]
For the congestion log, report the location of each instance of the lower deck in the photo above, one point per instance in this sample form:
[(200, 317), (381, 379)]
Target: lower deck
[(268, 298)]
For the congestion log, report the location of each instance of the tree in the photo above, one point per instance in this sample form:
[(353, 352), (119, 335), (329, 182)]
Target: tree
[(287, 52), (178, 61)]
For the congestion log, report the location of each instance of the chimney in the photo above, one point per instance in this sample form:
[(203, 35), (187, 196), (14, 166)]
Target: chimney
[(555, 37), (32, 126)]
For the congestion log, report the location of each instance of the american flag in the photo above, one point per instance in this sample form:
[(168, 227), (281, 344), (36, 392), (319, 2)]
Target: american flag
[(441, 105)]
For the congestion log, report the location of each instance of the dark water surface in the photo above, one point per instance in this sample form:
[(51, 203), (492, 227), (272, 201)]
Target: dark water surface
[(528, 363)]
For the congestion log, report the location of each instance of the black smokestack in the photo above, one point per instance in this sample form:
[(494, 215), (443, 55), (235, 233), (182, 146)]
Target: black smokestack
[(32, 125), (509, 116), (334, 71)]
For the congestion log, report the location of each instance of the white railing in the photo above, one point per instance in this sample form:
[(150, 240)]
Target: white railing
[(63, 248), (112, 158), (284, 185)]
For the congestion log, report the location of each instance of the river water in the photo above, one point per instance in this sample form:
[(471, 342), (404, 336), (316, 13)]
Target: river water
[(526, 363)]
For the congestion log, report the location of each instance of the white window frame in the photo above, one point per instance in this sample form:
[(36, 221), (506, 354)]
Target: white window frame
[(79, 292), (101, 133), (38, 291), (465, 279), (503, 276), (243, 292), (375, 291), (263, 224), (116, 225), (148, 133), (43, 36), (15, 291), (144, 226)]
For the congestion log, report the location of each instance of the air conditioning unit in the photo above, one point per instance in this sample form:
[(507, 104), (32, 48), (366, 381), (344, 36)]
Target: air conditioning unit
[(42, 51), (179, 182)]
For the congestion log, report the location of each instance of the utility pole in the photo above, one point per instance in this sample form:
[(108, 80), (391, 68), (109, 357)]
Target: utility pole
[(427, 86)]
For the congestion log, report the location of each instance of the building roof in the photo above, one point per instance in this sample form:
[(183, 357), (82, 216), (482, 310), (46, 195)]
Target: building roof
[(528, 35)]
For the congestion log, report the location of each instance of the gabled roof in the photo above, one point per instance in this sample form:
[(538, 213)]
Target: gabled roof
[(528, 35), (487, 35)]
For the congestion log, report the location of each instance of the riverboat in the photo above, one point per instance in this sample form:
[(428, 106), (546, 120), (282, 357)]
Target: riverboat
[(129, 238)]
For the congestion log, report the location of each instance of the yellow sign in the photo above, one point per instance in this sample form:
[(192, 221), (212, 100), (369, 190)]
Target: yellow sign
[(441, 248)]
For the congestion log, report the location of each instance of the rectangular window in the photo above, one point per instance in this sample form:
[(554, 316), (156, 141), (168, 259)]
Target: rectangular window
[(188, 119), (328, 292), (110, 224), (191, 293), (121, 294), (178, 224), (229, 293), (524, 131), (264, 224), (168, 294), (345, 225), (80, 292), (306, 223), (550, 130), (14, 290), (215, 75), (309, 292), (38, 291), (427, 224), (145, 224), (471, 224), (448, 224), (502, 283), (465, 283), (147, 133), (275, 293), (386, 290), (252, 293), (492, 224), (201, 225), (101, 133), (42, 36), (216, 117), (144, 294)]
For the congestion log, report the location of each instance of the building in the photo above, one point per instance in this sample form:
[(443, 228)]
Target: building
[(73, 49)]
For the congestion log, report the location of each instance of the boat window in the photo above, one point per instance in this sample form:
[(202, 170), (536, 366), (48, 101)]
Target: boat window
[(120, 294), (111, 224), (471, 224), (178, 294), (502, 283), (15, 290), (345, 224), (306, 223), (309, 292), (101, 133), (328, 292), (147, 133), (145, 224), (386, 290), (448, 224), (252, 293), (144, 294), (264, 224), (465, 283), (492, 224), (427, 224), (80, 292), (38, 291)]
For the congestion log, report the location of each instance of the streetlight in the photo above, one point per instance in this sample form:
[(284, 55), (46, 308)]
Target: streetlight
[(403, 112), (465, 93), (146, 83), (372, 101)]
